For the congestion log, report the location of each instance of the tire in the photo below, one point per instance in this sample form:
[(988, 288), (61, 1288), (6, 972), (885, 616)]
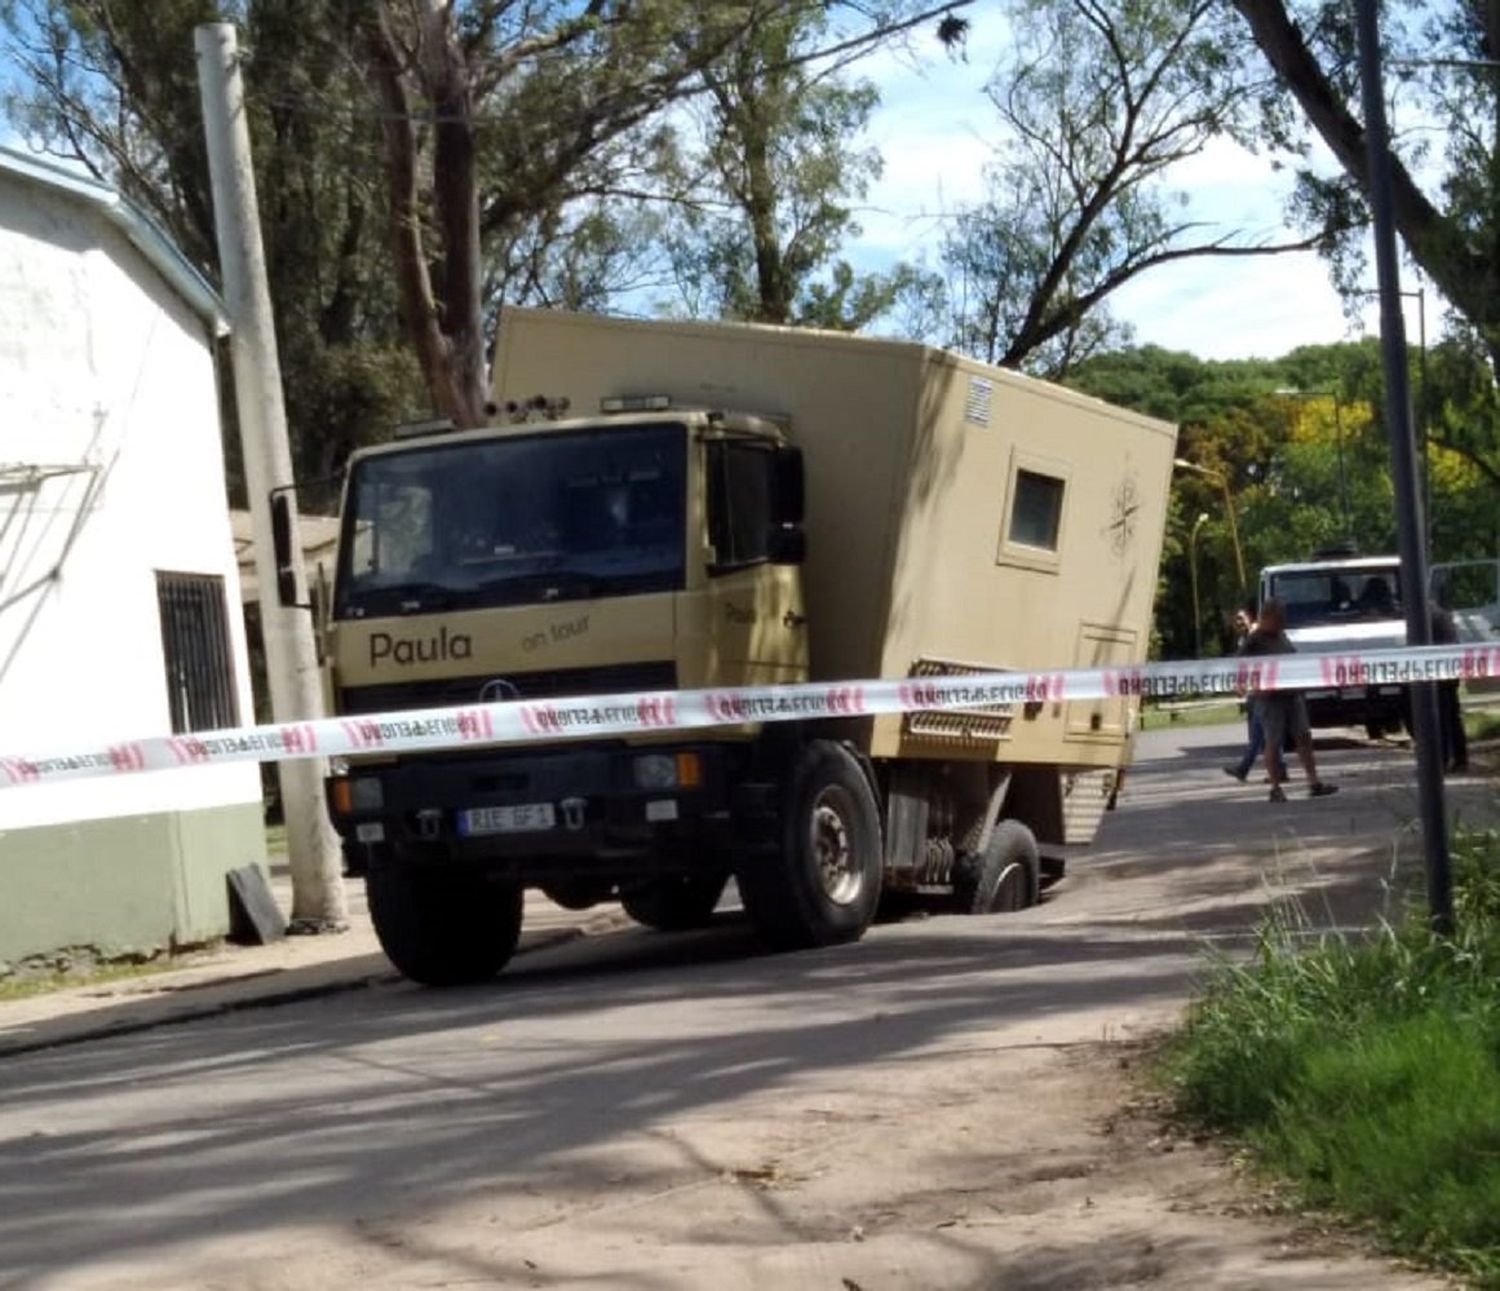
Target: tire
[(1007, 878), (675, 904), (442, 924), (1375, 730), (821, 886), (578, 894)]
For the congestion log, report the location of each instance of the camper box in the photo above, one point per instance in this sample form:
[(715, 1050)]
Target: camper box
[(960, 517)]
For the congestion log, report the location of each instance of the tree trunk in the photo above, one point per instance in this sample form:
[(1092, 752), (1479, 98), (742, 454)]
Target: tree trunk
[(448, 339), (1463, 275)]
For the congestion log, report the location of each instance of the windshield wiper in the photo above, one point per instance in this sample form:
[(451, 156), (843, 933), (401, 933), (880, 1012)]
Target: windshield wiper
[(412, 598), (551, 584)]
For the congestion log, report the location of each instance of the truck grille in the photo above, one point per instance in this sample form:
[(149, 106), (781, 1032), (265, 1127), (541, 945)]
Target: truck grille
[(453, 692), (989, 723)]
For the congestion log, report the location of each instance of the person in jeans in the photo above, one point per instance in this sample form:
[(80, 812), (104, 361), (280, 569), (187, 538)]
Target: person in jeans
[(1283, 713), (1255, 728)]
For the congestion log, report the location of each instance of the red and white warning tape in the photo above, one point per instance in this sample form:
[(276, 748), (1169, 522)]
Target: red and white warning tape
[(520, 722)]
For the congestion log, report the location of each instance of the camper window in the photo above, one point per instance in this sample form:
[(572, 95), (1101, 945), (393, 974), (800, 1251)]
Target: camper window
[(739, 502), (1036, 510)]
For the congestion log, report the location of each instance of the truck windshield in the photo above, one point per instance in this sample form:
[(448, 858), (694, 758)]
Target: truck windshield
[(1325, 596), (556, 516)]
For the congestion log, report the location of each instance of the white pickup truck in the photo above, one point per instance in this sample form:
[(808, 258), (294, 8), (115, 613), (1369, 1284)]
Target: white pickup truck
[(1353, 604)]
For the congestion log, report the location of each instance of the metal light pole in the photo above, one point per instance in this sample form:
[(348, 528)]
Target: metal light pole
[(1423, 412), (1193, 573), (1183, 464), (1425, 723)]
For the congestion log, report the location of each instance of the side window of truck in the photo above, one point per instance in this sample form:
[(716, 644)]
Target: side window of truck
[(1036, 515), (739, 502)]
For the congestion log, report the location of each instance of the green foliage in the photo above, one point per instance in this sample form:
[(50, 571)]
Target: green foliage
[(114, 87), (1295, 438), (1367, 1071), (775, 170), (1444, 160)]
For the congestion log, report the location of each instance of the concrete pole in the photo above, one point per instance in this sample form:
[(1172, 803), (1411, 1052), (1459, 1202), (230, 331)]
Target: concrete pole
[(318, 903)]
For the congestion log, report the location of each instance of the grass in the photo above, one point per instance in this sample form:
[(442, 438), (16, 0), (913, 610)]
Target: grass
[(23, 986), (1365, 1072), (1154, 717), (1482, 724)]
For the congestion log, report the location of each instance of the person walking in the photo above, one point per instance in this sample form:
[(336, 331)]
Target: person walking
[(1255, 731), (1283, 713)]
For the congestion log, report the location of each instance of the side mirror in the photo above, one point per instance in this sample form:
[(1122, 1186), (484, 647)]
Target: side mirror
[(789, 479), (281, 545), (787, 546)]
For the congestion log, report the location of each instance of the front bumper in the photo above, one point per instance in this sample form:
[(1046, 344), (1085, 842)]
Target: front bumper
[(1356, 706), (578, 804)]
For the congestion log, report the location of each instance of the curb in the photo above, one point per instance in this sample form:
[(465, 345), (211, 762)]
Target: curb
[(77, 1029)]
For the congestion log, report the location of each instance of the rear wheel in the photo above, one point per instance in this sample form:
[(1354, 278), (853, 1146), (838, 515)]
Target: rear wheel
[(1006, 878), (441, 924), (675, 904), (822, 884)]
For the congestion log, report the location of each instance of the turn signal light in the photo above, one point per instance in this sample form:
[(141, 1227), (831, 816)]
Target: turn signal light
[(341, 797), (689, 771)]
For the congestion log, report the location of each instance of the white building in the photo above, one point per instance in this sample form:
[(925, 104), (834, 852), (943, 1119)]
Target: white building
[(119, 595)]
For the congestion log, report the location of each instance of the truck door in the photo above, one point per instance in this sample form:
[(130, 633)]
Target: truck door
[(758, 630)]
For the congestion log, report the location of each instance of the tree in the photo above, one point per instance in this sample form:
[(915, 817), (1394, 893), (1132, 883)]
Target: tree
[(1446, 203), (1097, 103), (776, 169), (563, 93), (112, 88)]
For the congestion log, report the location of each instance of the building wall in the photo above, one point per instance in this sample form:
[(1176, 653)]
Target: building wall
[(104, 367)]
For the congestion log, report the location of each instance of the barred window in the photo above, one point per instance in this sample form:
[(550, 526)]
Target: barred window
[(195, 646)]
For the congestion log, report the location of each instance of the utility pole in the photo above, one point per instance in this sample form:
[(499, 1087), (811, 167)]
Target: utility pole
[(318, 903), (1425, 725)]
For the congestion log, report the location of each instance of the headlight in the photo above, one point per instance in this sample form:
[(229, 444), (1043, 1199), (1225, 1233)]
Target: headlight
[(656, 771), (366, 794)]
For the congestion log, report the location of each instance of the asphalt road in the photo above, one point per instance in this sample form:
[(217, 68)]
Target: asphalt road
[(640, 1110)]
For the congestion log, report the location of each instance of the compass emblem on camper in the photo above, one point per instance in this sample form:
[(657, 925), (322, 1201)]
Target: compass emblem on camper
[(1124, 505)]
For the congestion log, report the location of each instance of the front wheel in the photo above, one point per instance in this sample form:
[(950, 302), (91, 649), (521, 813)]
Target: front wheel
[(1006, 878), (442, 924), (822, 884), (676, 904)]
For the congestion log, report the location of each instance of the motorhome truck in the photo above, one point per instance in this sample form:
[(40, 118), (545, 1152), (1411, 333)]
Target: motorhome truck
[(674, 505)]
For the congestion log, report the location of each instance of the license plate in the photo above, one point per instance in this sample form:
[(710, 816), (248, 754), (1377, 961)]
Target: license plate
[(524, 818)]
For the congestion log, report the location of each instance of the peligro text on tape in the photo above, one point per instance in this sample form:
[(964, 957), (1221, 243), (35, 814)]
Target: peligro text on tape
[(530, 721)]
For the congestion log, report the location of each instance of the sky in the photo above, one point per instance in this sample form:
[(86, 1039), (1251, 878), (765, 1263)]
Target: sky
[(934, 128)]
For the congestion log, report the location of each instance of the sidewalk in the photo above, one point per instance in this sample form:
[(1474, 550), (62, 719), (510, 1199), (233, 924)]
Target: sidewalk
[(229, 977)]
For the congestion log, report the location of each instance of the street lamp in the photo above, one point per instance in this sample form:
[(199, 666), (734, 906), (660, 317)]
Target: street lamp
[(1291, 392), (1183, 464), (1193, 574)]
